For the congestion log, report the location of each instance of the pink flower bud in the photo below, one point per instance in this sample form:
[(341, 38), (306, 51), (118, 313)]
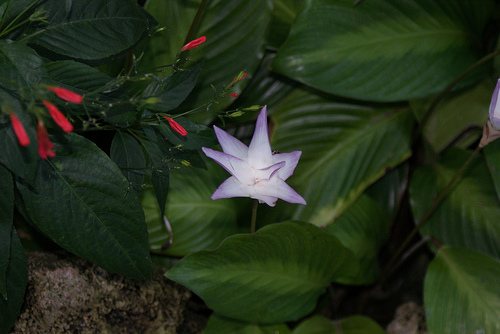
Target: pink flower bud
[(176, 126), (58, 117), (194, 43), (19, 130), (233, 95), (45, 146), (66, 95)]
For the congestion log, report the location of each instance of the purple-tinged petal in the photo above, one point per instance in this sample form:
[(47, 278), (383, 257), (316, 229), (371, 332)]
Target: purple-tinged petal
[(231, 188), (237, 167), (259, 151), (231, 145), (276, 187), (267, 173), (291, 159), (495, 107)]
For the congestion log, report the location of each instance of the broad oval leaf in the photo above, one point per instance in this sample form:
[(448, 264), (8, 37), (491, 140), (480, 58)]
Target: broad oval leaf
[(383, 50), (81, 200), (363, 228), (197, 221), (352, 325), (128, 155), (220, 325), (273, 276), (345, 148), (468, 215), (461, 292), (92, 30)]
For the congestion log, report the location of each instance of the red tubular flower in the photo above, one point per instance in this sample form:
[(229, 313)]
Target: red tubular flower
[(233, 94), (66, 95), (58, 117), (45, 146), (19, 130), (176, 126), (194, 43)]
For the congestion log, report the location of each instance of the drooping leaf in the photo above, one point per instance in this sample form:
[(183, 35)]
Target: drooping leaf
[(220, 325), (128, 155), (6, 216), (197, 221), (363, 228), (384, 50), (345, 148), (461, 292), (273, 276), (81, 200), (92, 30), (468, 215), (16, 278), (352, 325)]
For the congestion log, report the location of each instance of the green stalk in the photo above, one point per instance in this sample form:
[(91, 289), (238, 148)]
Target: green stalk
[(254, 216)]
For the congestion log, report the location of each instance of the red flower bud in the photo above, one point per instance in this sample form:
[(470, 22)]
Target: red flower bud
[(45, 146), (176, 126), (66, 95), (194, 43), (58, 117), (233, 95), (19, 130)]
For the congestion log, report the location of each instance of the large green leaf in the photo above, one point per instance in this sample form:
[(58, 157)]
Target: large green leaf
[(235, 32), (92, 30), (16, 278), (352, 325), (197, 221), (221, 325), (273, 276), (128, 155), (6, 216), (461, 292), (383, 50), (363, 228), (20, 66), (81, 201), (345, 148), (468, 215)]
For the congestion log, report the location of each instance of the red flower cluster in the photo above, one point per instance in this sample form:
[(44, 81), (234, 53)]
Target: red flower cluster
[(176, 126), (45, 146)]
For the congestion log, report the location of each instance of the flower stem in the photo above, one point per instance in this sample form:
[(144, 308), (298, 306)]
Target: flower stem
[(428, 214), (254, 216)]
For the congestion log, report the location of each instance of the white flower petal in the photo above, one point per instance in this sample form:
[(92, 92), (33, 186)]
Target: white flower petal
[(231, 188), (237, 167), (495, 107), (259, 151), (231, 145), (276, 187), (291, 159)]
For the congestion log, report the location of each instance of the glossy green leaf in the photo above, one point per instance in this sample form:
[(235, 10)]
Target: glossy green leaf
[(235, 32), (81, 201), (128, 155), (6, 216), (363, 228), (459, 113), (383, 50), (197, 221), (220, 325), (17, 276), (77, 75), (284, 14), (20, 66), (352, 325), (273, 276), (92, 30), (461, 292), (468, 215), (345, 148)]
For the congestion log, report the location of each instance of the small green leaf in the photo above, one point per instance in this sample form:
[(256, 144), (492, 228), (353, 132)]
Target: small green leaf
[(81, 200), (220, 325), (128, 155), (468, 215), (16, 279), (363, 228), (92, 30), (6, 217), (384, 50), (197, 221), (461, 292), (273, 276), (352, 325)]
